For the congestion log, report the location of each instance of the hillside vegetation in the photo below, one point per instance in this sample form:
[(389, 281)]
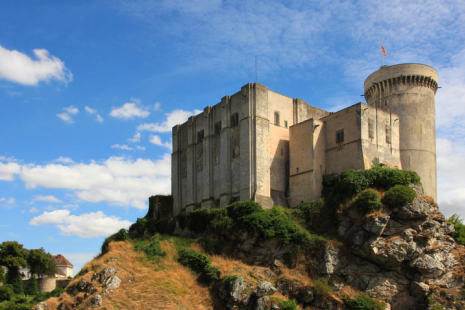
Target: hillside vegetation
[(373, 242)]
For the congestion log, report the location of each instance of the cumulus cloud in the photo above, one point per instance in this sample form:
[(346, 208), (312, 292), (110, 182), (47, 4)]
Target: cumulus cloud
[(71, 110), (136, 138), (117, 180), (142, 148), (66, 118), (48, 198), (157, 141), (20, 68), (34, 210), (123, 147), (8, 170), (129, 111), (65, 160), (173, 118), (87, 225), (91, 111), (157, 106), (10, 200)]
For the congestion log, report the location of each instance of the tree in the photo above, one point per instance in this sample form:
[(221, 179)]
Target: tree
[(6, 292), (13, 256), (41, 262), (32, 287), (2, 274)]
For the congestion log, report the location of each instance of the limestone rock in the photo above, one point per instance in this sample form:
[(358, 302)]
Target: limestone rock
[(420, 208), (429, 267), (394, 228), (81, 285), (96, 301), (261, 303), (419, 288), (106, 273), (376, 225), (387, 252), (113, 282), (264, 288)]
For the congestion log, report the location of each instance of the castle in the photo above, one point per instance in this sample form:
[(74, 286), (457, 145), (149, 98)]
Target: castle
[(263, 146)]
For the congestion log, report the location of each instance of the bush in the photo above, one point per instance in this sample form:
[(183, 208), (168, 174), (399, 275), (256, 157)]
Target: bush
[(199, 263), (287, 305), (322, 288), (212, 247), (399, 196), (367, 201), (6, 292), (44, 296), (363, 302), (151, 248), (222, 223), (32, 287), (8, 305), (198, 220), (121, 235), (459, 233), (312, 212)]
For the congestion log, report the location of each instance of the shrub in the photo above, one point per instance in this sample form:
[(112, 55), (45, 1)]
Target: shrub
[(122, 235), (199, 263), (32, 287), (6, 292), (287, 305), (367, 201), (322, 288), (8, 305), (459, 233), (222, 223), (198, 220), (398, 196), (312, 212), (46, 295), (363, 302), (238, 210), (212, 247), (151, 248)]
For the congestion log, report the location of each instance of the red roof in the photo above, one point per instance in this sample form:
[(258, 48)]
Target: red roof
[(61, 260)]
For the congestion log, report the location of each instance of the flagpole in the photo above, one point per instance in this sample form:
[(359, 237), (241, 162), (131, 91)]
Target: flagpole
[(382, 56)]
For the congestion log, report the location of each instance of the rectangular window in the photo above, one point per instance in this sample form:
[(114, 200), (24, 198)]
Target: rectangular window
[(235, 120), (371, 129), (340, 136), (276, 118), (200, 136), (388, 134), (282, 152), (217, 128), (285, 124)]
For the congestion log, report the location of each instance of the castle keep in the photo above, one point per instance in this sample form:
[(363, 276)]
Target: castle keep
[(263, 146)]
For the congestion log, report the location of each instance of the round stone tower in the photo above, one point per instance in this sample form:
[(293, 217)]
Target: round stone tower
[(408, 90)]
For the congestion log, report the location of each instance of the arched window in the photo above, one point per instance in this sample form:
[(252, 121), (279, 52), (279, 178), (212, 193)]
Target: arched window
[(276, 118)]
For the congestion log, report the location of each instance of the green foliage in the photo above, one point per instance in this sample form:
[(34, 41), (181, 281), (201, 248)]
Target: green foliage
[(41, 262), (377, 163), (121, 235), (231, 278), (198, 220), (312, 213), (2, 274), (367, 201), (322, 287), (12, 254), (14, 278), (151, 248), (46, 295), (352, 182), (212, 247), (363, 302), (9, 305), (287, 305), (199, 263), (6, 292), (459, 233), (222, 223), (238, 211), (178, 242), (32, 287), (399, 195)]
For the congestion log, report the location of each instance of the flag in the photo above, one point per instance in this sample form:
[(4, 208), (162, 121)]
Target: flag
[(383, 50)]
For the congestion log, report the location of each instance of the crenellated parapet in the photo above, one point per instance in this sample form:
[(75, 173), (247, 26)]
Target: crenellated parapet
[(389, 84)]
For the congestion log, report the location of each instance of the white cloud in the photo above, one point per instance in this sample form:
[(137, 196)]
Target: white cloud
[(175, 117), (71, 206), (13, 235), (7, 171), (157, 140), (93, 111), (50, 208), (123, 147), (87, 225), (48, 198), (34, 210), (117, 180), (136, 138), (157, 106), (11, 200), (142, 148), (71, 110), (65, 160), (20, 68), (66, 118), (129, 111)]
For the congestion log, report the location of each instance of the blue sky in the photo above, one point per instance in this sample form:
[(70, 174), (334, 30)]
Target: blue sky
[(89, 91)]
